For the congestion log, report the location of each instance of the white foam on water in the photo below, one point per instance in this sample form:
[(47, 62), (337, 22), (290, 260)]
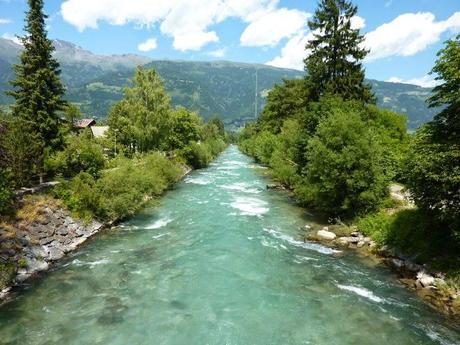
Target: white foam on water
[(235, 163), (299, 259), (307, 245), (159, 223), (198, 180), (437, 337), (241, 187), (79, 263), (250, 206), (160, 236), (361, 292)]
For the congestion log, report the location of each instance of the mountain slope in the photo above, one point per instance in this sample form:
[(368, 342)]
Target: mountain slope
[(225, 89)]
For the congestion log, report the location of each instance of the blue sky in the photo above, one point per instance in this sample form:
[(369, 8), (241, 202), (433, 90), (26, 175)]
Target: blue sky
[(403, 35)]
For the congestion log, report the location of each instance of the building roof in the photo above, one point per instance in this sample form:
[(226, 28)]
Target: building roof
[(99, 131), (85, 123)]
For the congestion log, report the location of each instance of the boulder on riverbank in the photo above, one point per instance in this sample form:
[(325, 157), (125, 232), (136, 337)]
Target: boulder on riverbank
[(326, 234)]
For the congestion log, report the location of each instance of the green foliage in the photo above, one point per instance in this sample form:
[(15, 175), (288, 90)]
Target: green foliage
[(334, 64), (446, 125), (121, 191), (142, 120), (185, 127), (337, 155), (72, 113), (288, 156), (6, 194), (377, 226), (432, 172), (199, 154), (417, 234), (217, 123), (344, 175), (433, 165), (22, 151), (37, 89), (7, 274), (284, 101), (81, 154)]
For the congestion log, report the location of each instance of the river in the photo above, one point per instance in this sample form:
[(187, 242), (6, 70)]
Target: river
[(220, 260)]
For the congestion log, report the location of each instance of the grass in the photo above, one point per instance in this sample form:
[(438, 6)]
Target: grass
[(7, 274), (31, 209), (417, 235)]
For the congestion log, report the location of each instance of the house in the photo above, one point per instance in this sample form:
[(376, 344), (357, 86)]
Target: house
[(82, 124), (99, 131)]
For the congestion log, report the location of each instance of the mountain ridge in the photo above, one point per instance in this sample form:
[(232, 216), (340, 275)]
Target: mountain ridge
[(213, 88)]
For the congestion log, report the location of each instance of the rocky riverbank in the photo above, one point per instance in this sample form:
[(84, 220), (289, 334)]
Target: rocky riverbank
[(41, 233), (427, 283)]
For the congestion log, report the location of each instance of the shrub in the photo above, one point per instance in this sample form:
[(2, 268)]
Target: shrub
[(121, 191), (81, 154), (344, 176), (376, 225), (432, 172), (6, 194)]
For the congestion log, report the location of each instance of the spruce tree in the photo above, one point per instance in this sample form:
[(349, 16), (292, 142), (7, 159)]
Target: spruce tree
[(334, 65), (38, 90)]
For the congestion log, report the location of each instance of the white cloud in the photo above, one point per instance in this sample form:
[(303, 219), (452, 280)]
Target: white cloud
[(408, 34), (293, 53), (11, 37), (425, 81), (188, 22), (260, 32), (5, 21), (148, 45), (358, 22), (218, 53)]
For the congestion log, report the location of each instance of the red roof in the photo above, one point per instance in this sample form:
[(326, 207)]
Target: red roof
[(85, 123)]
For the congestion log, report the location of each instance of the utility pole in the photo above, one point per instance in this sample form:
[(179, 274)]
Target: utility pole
[(255, 96)]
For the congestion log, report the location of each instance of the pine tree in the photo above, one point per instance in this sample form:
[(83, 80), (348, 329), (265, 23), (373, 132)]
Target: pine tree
[(38, 90), (334, 64)]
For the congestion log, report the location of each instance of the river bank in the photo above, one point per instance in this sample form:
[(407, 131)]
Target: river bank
[(429, 284), (42, 232)]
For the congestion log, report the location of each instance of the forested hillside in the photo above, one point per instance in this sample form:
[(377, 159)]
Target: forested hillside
[(225, 89)]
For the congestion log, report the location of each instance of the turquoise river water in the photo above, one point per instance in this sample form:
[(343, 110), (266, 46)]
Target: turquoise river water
[(221, 260)]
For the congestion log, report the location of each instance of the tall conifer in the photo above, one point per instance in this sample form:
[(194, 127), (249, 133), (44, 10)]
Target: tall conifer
[(38, 90), (334, 64)]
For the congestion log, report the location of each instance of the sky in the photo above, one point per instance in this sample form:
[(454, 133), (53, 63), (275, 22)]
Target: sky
[(403, 36)]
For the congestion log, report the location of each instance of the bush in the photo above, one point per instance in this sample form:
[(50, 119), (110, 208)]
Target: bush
[(432, 172), (417, 234), (376, 225), (197, 155), (121, 191), (200, 154), (344, 176), (81, 195), (81, 154), (6, 194)]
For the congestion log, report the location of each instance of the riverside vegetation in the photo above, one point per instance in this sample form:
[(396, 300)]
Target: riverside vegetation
[(149, 145), (325, 139)]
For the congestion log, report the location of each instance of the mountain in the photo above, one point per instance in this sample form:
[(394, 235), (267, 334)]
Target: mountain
[(225, 89), (78, 66)]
